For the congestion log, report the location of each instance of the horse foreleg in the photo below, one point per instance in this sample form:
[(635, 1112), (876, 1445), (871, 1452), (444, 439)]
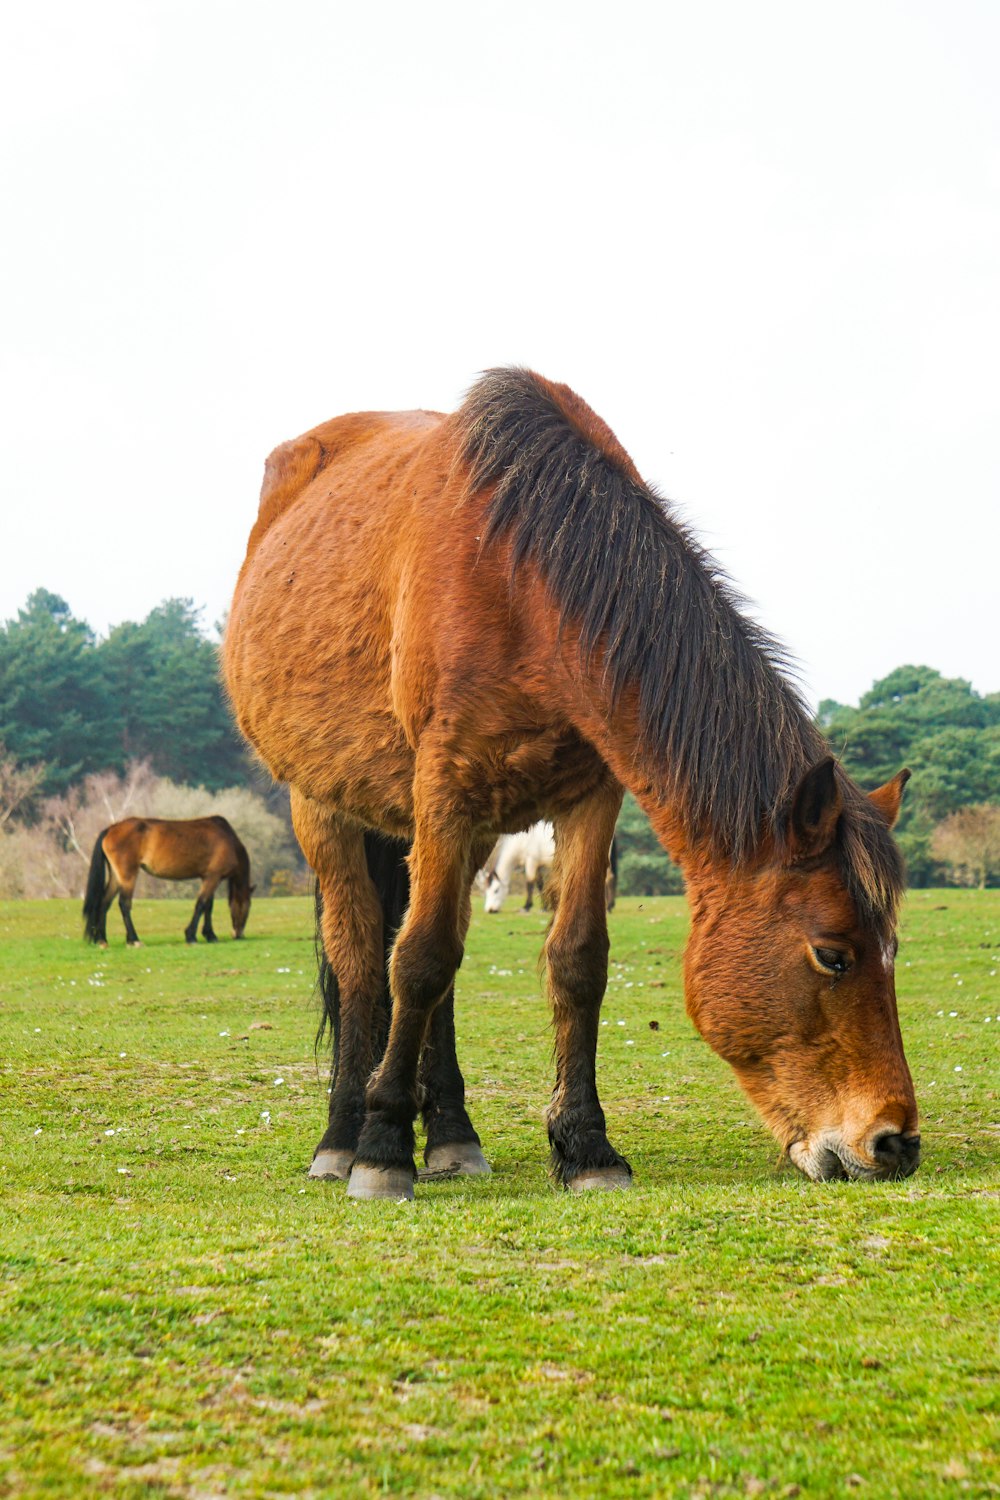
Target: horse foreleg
[(529, 890), (191, 930), (202, 908), (209, 887), (453, 1147), (576, 953), (424, 960)]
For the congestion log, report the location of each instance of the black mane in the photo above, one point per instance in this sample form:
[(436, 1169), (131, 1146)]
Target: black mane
[(725, 735)]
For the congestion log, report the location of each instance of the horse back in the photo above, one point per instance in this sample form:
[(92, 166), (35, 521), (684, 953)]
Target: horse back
[(173, 849)]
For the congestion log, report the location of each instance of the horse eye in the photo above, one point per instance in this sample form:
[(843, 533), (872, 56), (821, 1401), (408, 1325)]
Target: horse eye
[(832, 960)]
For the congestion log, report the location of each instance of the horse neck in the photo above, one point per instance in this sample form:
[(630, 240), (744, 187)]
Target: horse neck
[(704, 848)]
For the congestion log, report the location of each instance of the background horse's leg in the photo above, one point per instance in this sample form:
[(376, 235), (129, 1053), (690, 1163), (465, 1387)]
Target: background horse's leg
[(108, 897), (453, 1148), (207, 930), (424, 960), (353, 974), (530, 872), (125, 906), (202, 907), (576, 952)]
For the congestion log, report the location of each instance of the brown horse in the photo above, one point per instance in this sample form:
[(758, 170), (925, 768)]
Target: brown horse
[(449, 627), (172, 849)]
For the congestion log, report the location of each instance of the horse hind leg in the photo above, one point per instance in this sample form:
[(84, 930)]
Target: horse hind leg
[(453, 1147), (110, 891), (425, 958), (125, 907), (352, 971)]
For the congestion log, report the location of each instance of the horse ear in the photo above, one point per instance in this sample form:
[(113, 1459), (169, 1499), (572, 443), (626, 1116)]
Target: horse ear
[(816, 807), (888, 798)]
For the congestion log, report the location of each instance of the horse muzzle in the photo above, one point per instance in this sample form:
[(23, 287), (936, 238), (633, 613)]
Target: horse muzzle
[(884, 1155)]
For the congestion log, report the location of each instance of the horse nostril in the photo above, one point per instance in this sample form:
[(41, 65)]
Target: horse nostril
[(898, 1153)]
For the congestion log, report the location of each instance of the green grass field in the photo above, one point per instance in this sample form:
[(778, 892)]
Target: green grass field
[(183, 1313)]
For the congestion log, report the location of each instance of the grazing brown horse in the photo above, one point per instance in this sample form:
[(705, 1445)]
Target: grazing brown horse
[(172, 849), (449, 627)]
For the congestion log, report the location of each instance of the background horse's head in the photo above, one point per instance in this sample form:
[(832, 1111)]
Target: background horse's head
[(497, 891), (239, 904), (789, 977)]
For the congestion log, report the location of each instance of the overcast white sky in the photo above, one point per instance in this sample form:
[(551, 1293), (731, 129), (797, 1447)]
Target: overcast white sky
[(763, 241)]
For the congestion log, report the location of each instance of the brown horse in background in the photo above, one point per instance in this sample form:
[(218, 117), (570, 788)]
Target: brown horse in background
[(172, 849), (449, 627)]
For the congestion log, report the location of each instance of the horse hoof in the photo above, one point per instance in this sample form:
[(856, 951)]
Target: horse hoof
[(601, 1179), (465, 1160), (380, 1182), (136, 944), (327, 1164)]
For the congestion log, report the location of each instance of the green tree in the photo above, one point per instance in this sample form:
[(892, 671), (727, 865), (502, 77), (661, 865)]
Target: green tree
[(53, 696), (170, 710), (644, 869), (946, 733)]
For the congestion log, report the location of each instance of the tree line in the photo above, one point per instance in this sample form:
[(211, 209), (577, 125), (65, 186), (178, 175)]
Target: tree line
[(946, 733), (73, 705)]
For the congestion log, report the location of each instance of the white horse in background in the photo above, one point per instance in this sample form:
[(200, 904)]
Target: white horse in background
[(531, 851)]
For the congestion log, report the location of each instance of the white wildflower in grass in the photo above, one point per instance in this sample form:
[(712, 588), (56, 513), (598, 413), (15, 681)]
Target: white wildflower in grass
[(39, 1130), (37, 1029), (630, 1043), (223, 1033), (282, 971), (958, 1067), (109, 1132), (123, 1054), (953, 1013), (278, 1081), (241, 1132)]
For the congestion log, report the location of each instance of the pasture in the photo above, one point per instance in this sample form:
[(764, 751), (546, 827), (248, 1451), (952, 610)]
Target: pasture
[(183, 1314)]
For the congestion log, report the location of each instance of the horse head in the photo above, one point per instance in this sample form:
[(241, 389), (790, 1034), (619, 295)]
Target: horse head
[(789, 977), (239, 906)]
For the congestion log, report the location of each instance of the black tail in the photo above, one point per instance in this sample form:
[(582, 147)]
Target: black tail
[(389, 873), (97, 884)]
